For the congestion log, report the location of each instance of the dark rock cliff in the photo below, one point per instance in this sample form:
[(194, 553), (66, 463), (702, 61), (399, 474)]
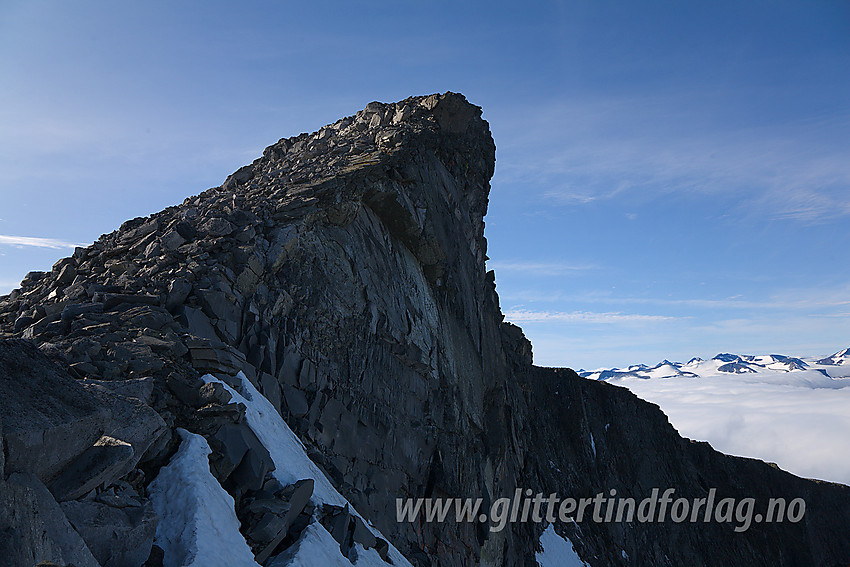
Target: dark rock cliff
[(343, 273)]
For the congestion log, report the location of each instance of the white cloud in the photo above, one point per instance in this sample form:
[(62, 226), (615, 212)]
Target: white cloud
[(8, 285), (786, 299), (567, 197), (522, 315), (538, 268), (36, 242), (801, 428)]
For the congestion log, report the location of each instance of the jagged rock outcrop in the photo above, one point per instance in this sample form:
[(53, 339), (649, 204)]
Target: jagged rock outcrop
[(344, 274), (56, 452)]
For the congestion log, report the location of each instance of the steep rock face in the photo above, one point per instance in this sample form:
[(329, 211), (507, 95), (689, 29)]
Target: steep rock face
[(343, 273)]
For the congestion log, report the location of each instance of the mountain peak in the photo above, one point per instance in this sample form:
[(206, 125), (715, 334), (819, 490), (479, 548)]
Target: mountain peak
[(380, 136), (321, 330)]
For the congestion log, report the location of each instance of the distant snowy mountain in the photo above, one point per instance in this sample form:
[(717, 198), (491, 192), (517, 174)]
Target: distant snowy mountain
[(835, 367), (785, 409), (836, 359)]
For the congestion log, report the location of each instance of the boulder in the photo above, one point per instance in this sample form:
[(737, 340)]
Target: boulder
[(185, 388), (133, 421), (214, 393), (119, 534), (336, 520), (271, 389), (216, 227), (22, 323), (48, 417), (251, 472), (172, 240), (113, 300), (178, 290), (33, 528), (363, 535), (139, 388), (104, 462), (70, 312), (278, 516), (229, 445), (298, 495), (296, 401)]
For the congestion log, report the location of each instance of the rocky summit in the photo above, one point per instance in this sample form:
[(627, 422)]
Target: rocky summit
[(278, 359)]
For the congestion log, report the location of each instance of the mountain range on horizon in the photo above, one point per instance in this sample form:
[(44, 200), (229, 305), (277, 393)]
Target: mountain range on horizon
[(835, 366), (790, 410)]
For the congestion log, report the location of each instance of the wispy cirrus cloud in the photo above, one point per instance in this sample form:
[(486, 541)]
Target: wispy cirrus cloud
[(574, 197), (525, 316), (38, 242), (793, 299), (588, 151), (539, 268)]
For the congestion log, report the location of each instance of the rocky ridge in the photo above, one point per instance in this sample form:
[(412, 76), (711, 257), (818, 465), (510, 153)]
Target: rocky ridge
[(343, 274)]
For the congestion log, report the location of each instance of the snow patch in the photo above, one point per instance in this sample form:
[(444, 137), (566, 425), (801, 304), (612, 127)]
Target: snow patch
[(317, 547), (197, 522), (293, 464), (286, 450)]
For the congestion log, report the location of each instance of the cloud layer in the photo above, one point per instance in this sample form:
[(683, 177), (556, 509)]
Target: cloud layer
[(36, 242), (797, 424)]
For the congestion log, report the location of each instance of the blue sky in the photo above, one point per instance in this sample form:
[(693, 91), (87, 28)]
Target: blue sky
[(672, 178)]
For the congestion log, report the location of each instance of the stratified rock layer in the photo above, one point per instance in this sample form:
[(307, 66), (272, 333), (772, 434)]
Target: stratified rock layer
[(343, 272)]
